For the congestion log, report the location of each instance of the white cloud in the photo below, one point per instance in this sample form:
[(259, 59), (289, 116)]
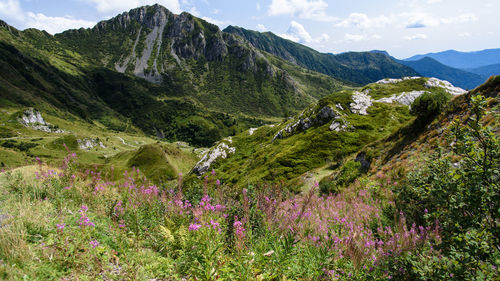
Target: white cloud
[(406, 19), (118, 6), (257, 6), (55, 24), (261, 27), (349, 38), (419, 36), (354, 37), (468, 17), (464, 34), (306, 9), (11, 9), (220, 23), (215, 11), (361, 20), (297, 33), (421, 20)]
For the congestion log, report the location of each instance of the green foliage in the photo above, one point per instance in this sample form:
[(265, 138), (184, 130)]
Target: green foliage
[(152, 160), (463, 196), (21, 146), (349, 172), (428, 105)]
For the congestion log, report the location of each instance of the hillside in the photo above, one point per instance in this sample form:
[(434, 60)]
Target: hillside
[(463, 60), (192, 57), (198, 101), (398, 208), (430, 67), (355, 67), (321, 136)]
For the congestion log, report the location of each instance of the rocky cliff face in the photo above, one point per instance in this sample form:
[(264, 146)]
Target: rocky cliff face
[(155, 40)]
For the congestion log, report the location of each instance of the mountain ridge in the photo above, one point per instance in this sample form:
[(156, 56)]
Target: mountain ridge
[(463, 60), (376, 66), (430, 67)]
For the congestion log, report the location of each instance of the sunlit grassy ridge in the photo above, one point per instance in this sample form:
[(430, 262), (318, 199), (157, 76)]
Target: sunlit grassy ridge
[(303, 155)]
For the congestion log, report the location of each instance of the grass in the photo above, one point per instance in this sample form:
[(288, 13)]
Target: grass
[(87, 225)]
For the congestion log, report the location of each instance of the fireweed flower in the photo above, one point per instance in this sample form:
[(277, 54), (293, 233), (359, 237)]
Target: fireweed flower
[(217, 182), (239, 231), (194, 227), (60, 227), (94, 243)]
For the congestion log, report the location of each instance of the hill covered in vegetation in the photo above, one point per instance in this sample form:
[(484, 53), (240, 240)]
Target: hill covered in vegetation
[(356, 67)]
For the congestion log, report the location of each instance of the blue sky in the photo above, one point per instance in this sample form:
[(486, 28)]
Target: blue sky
[(403, 28)]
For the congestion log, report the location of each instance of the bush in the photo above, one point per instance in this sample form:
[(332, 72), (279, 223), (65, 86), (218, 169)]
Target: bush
[(464, 197), (430, 104)]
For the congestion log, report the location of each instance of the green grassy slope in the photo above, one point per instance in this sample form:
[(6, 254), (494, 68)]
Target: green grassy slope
[(303, 155), (355, 67), (192, 57)]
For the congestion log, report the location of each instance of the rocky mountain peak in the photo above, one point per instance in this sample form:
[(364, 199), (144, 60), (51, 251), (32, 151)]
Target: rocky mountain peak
[(148, 16)]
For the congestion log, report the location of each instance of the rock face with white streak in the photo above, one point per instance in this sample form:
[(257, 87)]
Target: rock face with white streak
[(405, 98), (222, 150), (33, 119), (361, 102), (447, 86)]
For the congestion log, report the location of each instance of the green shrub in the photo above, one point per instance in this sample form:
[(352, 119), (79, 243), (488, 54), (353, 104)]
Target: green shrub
[(430, 104), (464, 197)]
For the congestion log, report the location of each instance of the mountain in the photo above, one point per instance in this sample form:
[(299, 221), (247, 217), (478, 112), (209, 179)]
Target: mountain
[(194, 58), (148, 70), (356, 67), (463, 60), (430, 67), (487, 70), (315, 142)]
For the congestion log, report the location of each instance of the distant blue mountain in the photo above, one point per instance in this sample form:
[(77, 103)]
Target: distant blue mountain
[(463, 60), (487, 71), (430, 67)]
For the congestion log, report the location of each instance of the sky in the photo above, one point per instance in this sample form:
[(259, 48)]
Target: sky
[(403, 28)]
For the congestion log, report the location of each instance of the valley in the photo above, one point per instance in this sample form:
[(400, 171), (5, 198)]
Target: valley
[(156, 146)]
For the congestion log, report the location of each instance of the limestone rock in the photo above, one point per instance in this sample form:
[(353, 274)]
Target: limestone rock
[(33, 119), (447, 86), (89, 143), (396, 80), (361, 102), (222, 150), (405, 98)]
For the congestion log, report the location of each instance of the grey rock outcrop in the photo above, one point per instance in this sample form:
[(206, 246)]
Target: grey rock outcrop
[(165, 40), (323, 116), (395, 80), (89, 143), (222, 150), (447, 86), (361, 102), (405, 98), (33, 119)]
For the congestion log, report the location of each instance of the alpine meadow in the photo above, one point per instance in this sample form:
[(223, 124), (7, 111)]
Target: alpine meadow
[(160, 144)]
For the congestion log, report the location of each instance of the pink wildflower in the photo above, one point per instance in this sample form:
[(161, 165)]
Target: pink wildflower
[(194, 227), (94, 243)]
